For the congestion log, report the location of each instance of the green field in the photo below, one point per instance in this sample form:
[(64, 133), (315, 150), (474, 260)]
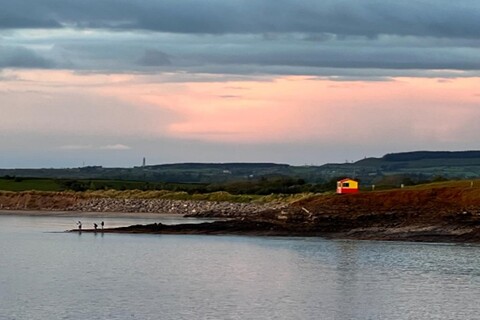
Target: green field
[(29, 184), (38, 184), (136, 190), (262, 186)]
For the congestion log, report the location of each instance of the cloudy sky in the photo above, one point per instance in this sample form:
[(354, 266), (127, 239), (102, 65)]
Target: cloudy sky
[(107, 82)]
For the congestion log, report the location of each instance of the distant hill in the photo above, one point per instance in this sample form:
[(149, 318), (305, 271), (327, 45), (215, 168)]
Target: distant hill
[(421, 165), (424, 159), (228, 165), (392, 168), (425, 155), (176, 172), (408, 167)]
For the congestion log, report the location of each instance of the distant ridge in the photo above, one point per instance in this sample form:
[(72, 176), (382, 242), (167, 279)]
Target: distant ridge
[(414, 165), (421, 155), (223, 165)]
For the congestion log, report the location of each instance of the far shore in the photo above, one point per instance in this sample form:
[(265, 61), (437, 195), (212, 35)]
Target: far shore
[(434, 213), (47, 213)]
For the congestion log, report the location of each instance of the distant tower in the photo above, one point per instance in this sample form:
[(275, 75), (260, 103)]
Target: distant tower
[(144, 163)]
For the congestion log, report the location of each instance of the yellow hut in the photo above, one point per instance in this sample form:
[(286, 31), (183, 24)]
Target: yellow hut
[(346, 186)]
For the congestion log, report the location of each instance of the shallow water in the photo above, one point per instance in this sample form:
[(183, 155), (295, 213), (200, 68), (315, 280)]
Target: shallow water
[(48, 275)]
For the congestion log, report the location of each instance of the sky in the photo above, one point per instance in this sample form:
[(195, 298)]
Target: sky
[(304, 82)]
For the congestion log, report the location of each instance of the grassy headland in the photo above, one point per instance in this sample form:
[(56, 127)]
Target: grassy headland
[(445, 212)]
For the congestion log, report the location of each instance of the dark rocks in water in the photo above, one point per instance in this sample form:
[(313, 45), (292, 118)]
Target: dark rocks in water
[(443, 214), (327, 229), (241, 227)]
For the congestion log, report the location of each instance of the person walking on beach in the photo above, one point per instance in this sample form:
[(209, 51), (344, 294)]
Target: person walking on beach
[(95, 226), (79, 223), (102, 224)]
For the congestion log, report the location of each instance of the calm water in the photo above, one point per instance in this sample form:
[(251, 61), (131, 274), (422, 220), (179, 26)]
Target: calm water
[(46, 275)]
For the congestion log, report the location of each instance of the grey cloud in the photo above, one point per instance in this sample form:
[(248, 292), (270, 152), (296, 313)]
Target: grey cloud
[(18, 57), (248, 54), (23, 22), (245, 55), (400, 58), (246, 72), (153, 57), (105, 51), (17, 15), (437, 18)]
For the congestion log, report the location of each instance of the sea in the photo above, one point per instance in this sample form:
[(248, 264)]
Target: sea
[(46, 273)]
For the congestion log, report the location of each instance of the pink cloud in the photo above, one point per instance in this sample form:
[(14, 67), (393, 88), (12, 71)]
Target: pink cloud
[(296, 108), (288, 109)]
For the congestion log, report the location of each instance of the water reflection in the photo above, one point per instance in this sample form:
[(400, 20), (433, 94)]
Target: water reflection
[(346, 278), (109, 276)]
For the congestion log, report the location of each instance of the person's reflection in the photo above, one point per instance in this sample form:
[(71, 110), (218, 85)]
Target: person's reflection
[(347, 282)]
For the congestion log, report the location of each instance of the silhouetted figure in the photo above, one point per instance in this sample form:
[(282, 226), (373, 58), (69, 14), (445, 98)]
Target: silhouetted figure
[(95, 226), (79, 223), (102, 224)]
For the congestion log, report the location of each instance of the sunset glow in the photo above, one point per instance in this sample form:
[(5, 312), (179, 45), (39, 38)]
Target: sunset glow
[(344, 89), (283, 108)]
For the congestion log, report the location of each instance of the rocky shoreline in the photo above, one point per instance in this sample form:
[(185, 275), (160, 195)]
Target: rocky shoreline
[(460, 231), (187, 208), (76, 203), (439, 215), (447, 214), (259, 228), (453, 233)]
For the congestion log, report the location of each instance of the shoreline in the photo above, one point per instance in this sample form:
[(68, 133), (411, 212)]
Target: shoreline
[(66, 202), (453, 233), (86, 214), (431, 234), (444, 214)]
